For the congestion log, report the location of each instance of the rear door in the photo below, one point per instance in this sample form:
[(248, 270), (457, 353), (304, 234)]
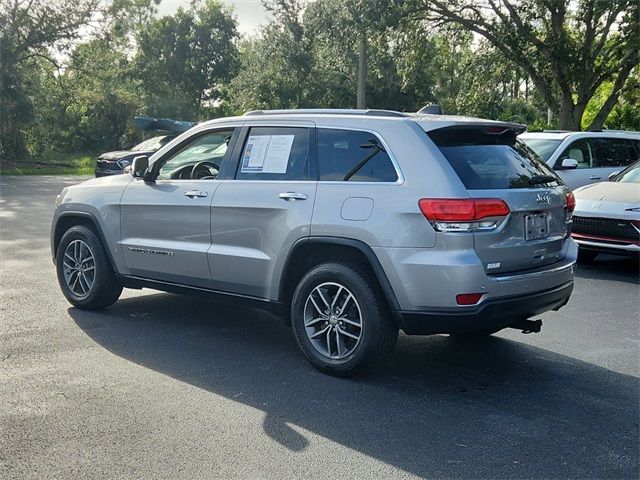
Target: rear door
[(611, 155), (492, 164), (263, 207)]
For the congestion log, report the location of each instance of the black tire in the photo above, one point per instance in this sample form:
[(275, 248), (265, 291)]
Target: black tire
[(586, 256), (378, 332), (105, 289)]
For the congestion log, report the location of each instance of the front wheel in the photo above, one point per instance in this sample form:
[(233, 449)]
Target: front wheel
[(84, 272), (340, 320)]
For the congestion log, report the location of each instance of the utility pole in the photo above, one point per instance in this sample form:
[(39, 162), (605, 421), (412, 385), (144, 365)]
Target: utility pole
[(362, 72)]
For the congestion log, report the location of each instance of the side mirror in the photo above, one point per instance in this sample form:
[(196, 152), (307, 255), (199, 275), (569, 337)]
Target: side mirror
[(140, 166), (569, 163), (613, 175)]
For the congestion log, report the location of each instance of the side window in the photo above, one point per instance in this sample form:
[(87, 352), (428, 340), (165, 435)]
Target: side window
[(580, 150), (275, 153), (633, 150), (611, 152), (199, 159), (355, 156)]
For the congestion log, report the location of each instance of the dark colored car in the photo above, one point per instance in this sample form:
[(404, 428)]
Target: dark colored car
[(114, 163)]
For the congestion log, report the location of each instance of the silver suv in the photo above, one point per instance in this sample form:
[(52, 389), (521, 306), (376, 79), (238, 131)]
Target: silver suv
[(581, 158), (352, 224)]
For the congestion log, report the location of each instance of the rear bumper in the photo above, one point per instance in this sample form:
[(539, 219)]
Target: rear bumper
[(490, 315)]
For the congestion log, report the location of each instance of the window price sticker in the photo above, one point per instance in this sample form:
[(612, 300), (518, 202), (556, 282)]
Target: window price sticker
[(267, 153)]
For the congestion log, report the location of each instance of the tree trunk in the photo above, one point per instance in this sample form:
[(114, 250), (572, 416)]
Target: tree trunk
[(362, 72), (570, 115)]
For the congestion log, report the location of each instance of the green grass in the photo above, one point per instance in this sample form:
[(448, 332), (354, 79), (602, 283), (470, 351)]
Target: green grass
[(53, 164)]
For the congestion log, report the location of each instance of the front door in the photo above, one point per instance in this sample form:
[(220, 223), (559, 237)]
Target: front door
[(263, 208), (166, 223)]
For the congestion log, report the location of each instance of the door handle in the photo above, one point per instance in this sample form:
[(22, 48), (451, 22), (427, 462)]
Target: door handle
[(292, 196), (594, 177), (195, 193)]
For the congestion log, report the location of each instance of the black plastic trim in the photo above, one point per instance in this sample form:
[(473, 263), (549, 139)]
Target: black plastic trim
[(227, 297), (95, 223), (365, 249), (490, 315)]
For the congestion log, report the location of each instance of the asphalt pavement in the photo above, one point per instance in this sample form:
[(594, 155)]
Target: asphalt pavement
[(164, 386)]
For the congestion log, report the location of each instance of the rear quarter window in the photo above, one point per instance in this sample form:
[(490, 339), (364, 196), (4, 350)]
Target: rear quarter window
[(353, 156), (485, 160)]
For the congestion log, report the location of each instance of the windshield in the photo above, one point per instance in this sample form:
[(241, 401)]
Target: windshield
[(150, 145), (630, 175), (484, 159), (544, 147)]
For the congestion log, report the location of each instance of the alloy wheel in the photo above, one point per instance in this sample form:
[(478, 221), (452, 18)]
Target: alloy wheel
[(79, 268), (333, 320)]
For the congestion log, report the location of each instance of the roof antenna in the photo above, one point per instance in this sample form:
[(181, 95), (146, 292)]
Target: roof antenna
[(432, 109)]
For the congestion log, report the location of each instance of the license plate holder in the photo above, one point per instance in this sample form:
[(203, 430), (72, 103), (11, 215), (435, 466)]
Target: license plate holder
[(536, 226)]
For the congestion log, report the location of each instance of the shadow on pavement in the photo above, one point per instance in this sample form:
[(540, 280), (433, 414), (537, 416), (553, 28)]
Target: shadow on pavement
[(611, 267), (439, 408)]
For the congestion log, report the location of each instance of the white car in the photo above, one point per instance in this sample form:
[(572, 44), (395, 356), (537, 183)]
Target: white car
[(607, 215), (581, 158)]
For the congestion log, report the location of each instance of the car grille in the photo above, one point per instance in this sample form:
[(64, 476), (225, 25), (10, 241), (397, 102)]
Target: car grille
[(605, 227), (107, 165)]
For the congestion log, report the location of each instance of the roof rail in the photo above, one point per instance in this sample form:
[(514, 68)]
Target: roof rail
[(558, 131), (329, 111)]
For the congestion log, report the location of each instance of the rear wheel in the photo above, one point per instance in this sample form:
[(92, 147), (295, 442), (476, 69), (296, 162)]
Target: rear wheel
[(586, 256), (84, 272), (340, 320)]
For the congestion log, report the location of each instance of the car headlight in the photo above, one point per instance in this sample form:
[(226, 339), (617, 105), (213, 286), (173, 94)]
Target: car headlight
[(633, 209), (125, 162), (60, 196)]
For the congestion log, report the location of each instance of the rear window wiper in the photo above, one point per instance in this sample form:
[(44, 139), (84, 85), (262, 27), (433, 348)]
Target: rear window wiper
[(376, 148), (538, 179)]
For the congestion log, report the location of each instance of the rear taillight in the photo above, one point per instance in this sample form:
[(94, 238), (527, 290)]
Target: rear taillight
[(460, 215), (571, 205)]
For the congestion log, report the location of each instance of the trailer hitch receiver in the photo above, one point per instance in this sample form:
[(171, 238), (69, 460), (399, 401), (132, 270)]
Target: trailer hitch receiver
[(528, 326)]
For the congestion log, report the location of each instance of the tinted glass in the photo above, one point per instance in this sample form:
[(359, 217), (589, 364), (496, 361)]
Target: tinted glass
[(544, 147), (485, 160), (355, 156), (580, 151), (275, 153), (209, 148), (612, 152)]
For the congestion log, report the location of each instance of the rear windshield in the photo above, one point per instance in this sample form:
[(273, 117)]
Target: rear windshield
[(492, 158)]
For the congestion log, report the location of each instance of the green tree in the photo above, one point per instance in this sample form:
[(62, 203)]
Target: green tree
[(184, 60), (567, 47), (28, 31)]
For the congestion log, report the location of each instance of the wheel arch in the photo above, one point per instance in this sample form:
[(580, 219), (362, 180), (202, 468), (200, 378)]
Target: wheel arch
[(66, 220), (310, 251)]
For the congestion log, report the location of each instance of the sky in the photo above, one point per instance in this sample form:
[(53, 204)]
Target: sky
[(250, 14)]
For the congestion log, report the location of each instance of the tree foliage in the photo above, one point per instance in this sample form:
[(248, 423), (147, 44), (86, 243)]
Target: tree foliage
[(567, 47), (187, 58), (74, 73)]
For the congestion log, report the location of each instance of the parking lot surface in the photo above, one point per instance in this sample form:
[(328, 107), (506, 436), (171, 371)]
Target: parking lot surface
[(164, 386)]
